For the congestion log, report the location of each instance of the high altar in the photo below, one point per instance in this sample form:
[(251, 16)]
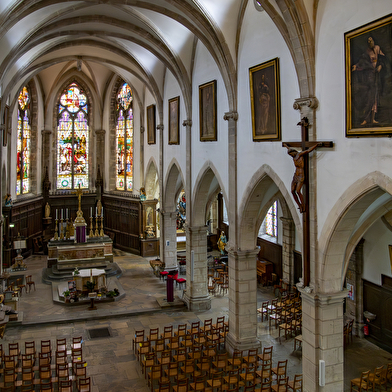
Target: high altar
[(80, 251)]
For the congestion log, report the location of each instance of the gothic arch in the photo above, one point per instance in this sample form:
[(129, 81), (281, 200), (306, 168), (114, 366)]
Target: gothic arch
[(264, 187), (205, 185), (151, 183), (366, 200), (174, 182)]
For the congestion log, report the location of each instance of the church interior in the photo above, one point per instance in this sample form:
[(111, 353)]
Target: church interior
[(217, 166)]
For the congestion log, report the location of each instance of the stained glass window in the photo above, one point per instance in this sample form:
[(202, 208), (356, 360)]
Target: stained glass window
[(181, 211), (124, 136), (271, 220), (23, 143), (72, 139)]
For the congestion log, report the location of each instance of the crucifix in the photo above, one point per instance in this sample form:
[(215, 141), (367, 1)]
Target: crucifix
[(300, 186), (79, 193)]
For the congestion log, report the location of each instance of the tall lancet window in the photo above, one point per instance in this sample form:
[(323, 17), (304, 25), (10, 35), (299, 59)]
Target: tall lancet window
[(72, 139), (124, 136), (23, 143)]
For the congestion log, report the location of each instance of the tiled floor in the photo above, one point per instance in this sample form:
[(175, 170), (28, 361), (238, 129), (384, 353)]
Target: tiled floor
[(110, 361)]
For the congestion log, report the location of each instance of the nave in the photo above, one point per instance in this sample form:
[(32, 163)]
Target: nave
[(111, 362)]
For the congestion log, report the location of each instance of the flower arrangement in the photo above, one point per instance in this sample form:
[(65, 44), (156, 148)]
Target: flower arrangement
[(76, 271)]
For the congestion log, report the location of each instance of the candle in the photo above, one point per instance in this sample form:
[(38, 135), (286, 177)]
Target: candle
[(96, 213), (102, 211), (91, 211), (62, 217), (56, 213), (66, 213)]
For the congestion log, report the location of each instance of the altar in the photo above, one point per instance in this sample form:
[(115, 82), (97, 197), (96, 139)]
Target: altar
[(95, 274)]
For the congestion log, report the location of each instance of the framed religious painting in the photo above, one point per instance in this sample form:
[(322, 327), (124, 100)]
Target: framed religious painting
[(207, 112), (368, 51), (265, 101), (151, 127), (174, 120)]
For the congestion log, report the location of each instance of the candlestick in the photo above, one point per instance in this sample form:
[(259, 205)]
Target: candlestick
[(96, 211), (61, 226), (96, 227), (102, 211), (62, 214), (56, 213), (91, 226), (101, 233), (66, 213), (56, 236)]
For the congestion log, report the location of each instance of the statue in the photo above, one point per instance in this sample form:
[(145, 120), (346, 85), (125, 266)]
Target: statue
[(142, 194), (222, 243), (47, 210), (299, 175), (8, 200)]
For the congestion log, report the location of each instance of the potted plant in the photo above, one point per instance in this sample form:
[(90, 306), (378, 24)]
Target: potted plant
[(66, 294), (90, 286)]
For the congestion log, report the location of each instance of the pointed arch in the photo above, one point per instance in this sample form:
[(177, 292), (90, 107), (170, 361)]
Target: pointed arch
[(151, 182), (361, 204), (264, 187), (174, 183), (206, 185)]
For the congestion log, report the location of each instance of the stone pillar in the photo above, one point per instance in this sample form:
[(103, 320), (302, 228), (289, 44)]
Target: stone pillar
[(322, 339), (46, 151), (358, 289), (169, 254), (288, 246), (196, 296), (242, 300)]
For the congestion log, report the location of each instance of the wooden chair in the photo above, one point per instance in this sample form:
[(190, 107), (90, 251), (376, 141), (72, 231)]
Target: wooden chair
[(220, 364), (30, 282), (379, 378), (28, 360), (148, 361), (265, 386), (266, 356), (65, 386), (207, 325), (281, 385), (84, 384), (26, 388), (296, 384), (167, 332), (286, 326), (181, 355), (30, 348), (76, 355), (174, 343), (361, 383), (275, 316), (220, 322), (143, 348), (46, 346), (181, 330), (280, 370), (265, 374), (251, 358), (13, 350), (216, 381), (77, 342), (236, 361), (187, 370), (46, 386), (138, 338), (45, 374), (163, 386), (21, 286), (165, 358), (62, 372), (27, 375), (232, 380), (198, 384), (154, 375), (61, 357), (196, 352), (263, 311), (182, 385), (171, 372), (79, 370), (249, 377), (203, 367)]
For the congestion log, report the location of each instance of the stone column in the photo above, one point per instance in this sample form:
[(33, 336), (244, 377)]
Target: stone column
[(196, 296), (46, 151), (288, 246), (322, 339), (169, 254), (242, 300)]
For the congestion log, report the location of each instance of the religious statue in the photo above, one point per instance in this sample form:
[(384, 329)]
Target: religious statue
[(47, 210), (222, 243), (299, 175), (8, 200), (142, 194)]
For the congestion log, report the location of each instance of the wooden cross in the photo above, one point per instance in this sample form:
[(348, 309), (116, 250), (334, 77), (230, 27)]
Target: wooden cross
[(300, 186)]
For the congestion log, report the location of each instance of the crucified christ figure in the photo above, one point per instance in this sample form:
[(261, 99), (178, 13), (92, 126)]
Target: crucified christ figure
[(299, 175)]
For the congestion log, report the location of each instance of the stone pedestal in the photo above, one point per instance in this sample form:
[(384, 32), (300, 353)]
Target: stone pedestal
[(243, 300), (196, 295), (322, 339)]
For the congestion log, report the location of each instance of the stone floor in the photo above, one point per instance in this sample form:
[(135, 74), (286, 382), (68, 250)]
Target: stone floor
[(111, 362)]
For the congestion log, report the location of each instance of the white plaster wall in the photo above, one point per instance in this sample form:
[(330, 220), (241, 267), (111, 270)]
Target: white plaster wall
[(172, 90), (205, 71), (376, 253), (352, 158), (261, 41)]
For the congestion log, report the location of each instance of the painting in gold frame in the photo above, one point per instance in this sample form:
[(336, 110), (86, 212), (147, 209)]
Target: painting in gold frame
[(207, 112), (265, 101), (368, 52), (151, 127), (174, 120)]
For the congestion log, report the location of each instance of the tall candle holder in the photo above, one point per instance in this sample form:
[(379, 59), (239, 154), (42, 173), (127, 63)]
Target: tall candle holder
[(96, 226), (101, 233), (67, 234), (56, 235), (61, 229), (91, 234)]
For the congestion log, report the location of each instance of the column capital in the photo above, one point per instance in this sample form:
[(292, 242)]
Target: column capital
[(310, 102), (239, 254), (196, 229), (322, 299), (160, 127), (187, 123), (141, 129), (100, 132), (46, 132), (233, 115)]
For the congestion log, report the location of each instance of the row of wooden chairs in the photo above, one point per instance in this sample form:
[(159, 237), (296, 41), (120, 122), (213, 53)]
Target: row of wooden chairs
[(181, 331), (380, 377), (45, 348)]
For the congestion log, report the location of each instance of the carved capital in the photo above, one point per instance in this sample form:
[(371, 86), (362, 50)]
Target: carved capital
[(142, 129), (231, 116), (46, 132), (100, 132), (310, 102), (187, 123), (160, 127)]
